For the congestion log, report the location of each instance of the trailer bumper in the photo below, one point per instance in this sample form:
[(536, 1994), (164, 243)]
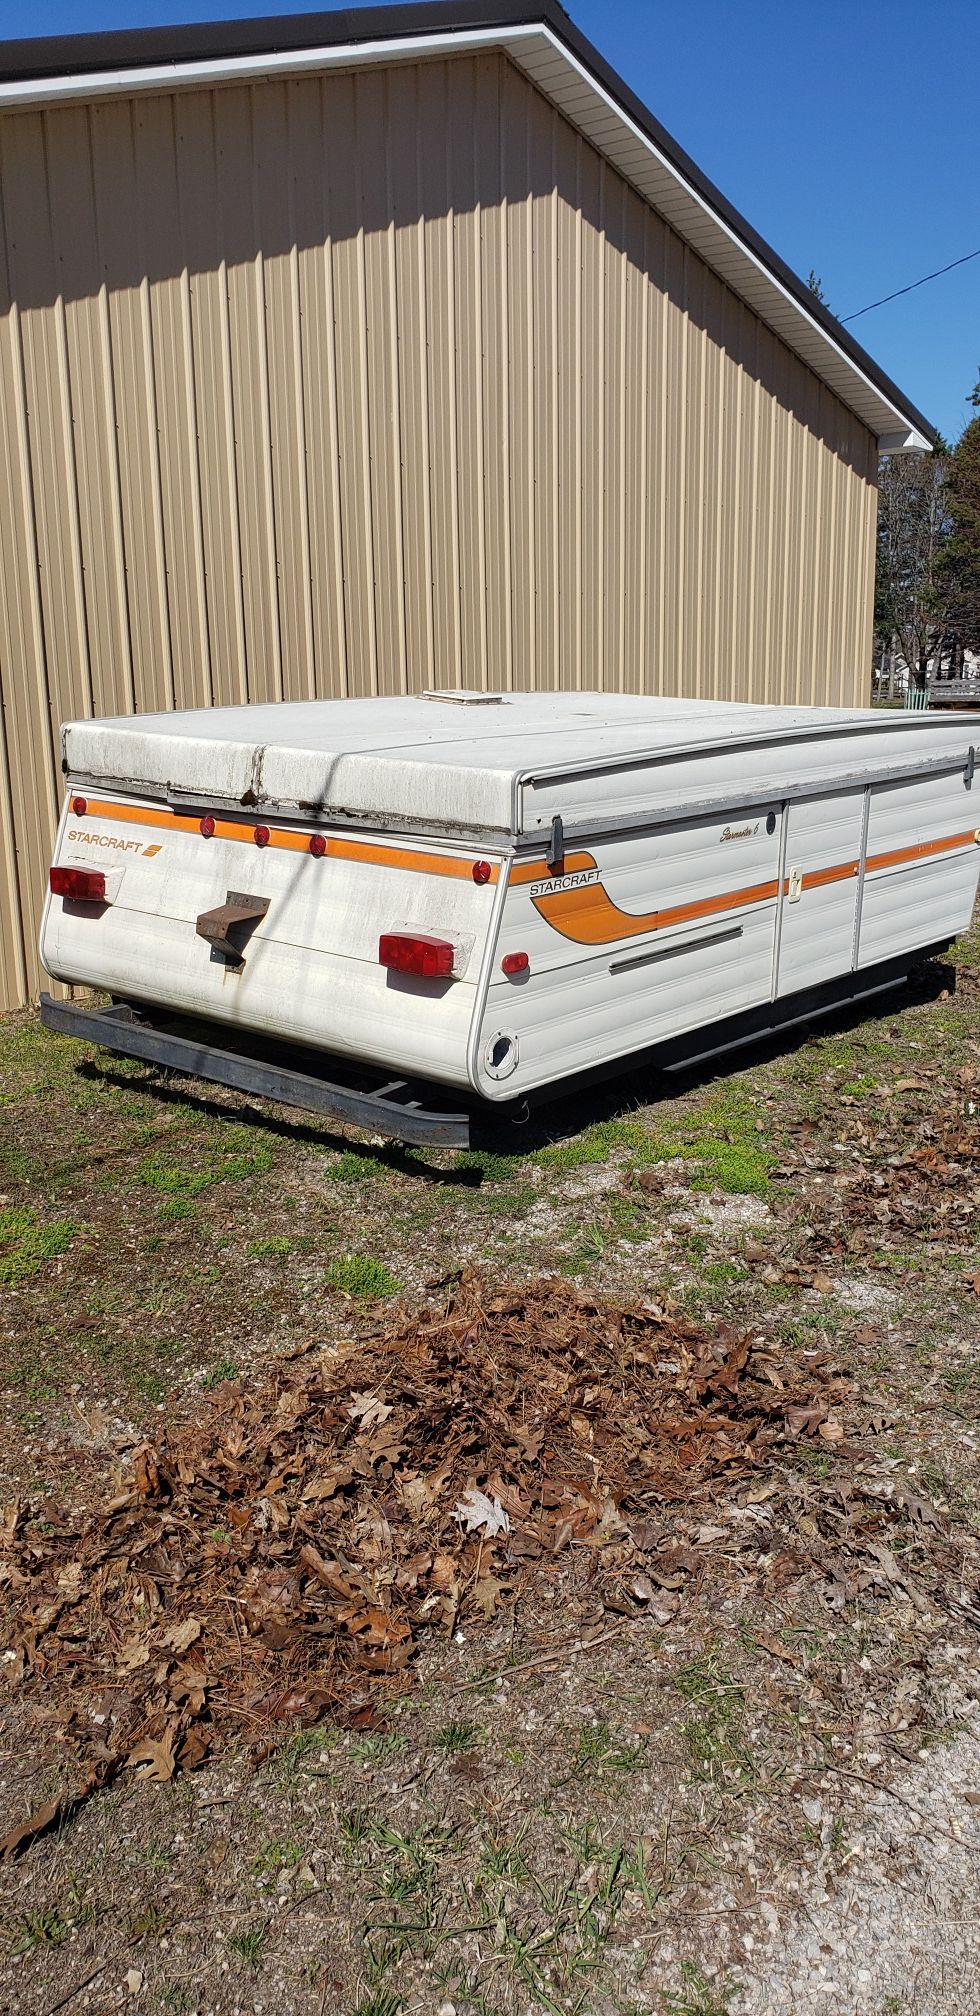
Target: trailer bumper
[(400, 1109)]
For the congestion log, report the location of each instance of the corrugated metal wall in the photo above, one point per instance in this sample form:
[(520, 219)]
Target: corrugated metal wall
[(375, 382)]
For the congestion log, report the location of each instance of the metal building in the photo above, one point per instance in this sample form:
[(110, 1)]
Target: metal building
[(388, 349)]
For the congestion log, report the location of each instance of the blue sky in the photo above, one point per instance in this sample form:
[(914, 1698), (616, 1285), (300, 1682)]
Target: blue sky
[(845, 131)]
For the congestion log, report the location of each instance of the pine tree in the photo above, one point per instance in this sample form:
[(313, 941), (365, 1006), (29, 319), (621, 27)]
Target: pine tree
[(959, 567)]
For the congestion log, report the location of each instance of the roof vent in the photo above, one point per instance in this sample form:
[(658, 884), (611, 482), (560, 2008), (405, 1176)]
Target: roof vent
[(458, 698)]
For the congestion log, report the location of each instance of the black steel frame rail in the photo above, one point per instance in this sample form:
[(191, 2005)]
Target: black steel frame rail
[(399, 1109)]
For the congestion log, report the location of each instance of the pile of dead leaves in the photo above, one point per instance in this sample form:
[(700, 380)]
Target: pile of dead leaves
[(285, 1546)]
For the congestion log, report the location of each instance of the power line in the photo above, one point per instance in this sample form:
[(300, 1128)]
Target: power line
[(913, 284)]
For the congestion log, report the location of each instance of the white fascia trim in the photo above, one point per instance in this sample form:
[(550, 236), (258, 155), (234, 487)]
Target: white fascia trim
[(30, 92), (249, 69)]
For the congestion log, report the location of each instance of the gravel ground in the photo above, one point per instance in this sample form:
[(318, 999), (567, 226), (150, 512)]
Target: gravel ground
[(897, 1927)]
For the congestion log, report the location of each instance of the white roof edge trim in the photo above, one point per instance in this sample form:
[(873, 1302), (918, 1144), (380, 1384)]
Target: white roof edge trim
[(31, 93)]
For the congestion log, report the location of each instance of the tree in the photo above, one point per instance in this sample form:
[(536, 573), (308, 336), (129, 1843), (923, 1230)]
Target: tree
[(959, 566), (913, 525), (815, 285)]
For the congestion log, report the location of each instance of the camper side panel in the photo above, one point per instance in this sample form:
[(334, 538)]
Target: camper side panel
[(920, 880), (637, 940)]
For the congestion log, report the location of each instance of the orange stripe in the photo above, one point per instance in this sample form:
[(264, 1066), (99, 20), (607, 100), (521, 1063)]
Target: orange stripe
[(295, 842), (538, 871), (818, 878), (590, 917), (921, 852)]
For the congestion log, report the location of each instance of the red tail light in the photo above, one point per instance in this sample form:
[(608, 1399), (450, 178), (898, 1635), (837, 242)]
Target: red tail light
[(80, 885), (416, 953), (261, 836)]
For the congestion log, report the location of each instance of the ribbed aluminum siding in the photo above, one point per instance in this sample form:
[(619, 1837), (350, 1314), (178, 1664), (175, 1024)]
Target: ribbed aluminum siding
[(376, 382)]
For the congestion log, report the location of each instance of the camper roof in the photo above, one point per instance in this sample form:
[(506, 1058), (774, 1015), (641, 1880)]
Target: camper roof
[(460, 763)]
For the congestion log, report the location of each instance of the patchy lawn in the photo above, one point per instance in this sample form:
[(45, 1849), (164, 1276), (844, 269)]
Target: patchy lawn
[(675, 1737)]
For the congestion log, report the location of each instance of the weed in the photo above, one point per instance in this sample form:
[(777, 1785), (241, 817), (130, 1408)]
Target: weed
[(353, 1168), (40, 1928), (489, 1165), (277, 1855), (219, 1374), (25, 1244), (596, 1144), (380, 2002), (230, 1162), (458, 1736), (358, 1274), (355, 1826), (378, 1748), (713, 1731), (268, 1249), (597, 1751), (720, 1272), (697, 1997), (250, 1945)]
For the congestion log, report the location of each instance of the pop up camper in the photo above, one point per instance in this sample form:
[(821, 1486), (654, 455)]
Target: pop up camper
[(493, 892)]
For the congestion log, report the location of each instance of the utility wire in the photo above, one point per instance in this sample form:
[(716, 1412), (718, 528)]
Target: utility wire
[(913, 284)]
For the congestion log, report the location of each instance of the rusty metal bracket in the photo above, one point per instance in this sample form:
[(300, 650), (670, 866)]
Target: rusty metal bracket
[(228, 928)]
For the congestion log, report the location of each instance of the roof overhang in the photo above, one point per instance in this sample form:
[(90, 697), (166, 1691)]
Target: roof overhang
[(564, 66)]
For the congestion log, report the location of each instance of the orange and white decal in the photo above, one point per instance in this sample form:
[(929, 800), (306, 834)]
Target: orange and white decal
[(576, 904), (376, 853)]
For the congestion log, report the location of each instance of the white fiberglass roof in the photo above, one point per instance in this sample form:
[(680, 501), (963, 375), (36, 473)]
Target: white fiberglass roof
[(450, 763)]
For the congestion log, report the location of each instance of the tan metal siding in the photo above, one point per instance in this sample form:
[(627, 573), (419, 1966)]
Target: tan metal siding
[(363, 383)]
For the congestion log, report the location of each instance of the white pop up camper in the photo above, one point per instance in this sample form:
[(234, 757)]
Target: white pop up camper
[(495, 892)]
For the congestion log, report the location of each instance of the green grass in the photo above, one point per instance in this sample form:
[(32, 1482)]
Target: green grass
[(598, 1752), (274, 1856), (697, 1996), (596, 1144), (250, 1945), (714, 1727), (721, 1139), (25, 1244), (357, 1274), (268, 1249), (237, 1158)]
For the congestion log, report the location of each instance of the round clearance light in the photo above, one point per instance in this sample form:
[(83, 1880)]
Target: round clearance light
[(207, 825), (261, 836), (79, 806), (514, 962), (318, 845), (482, 871)]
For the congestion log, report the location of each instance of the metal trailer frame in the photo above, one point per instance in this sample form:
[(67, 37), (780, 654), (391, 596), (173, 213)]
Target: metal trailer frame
[(403, 1109)]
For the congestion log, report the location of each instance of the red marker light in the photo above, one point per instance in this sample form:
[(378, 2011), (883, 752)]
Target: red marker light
[(404, 952), (79, 806), (79, 885), (514, 962), (207, 825), (482, 871), (261, 836), (318, 845)]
